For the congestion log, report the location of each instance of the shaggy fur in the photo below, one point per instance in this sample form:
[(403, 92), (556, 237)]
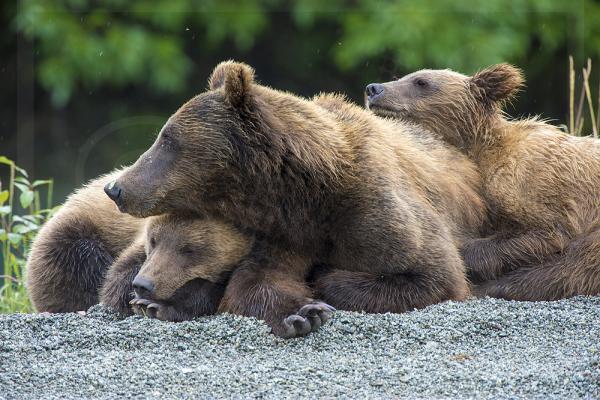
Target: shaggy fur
[(541, 185), (188, 260), (73, 250), (317, 182)]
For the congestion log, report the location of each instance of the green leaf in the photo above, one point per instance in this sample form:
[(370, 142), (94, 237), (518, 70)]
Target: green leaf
[(5, 210), (23, 187), (40, 182), (22, 172), (2, 235), (22, 180), (26, 198), (4, 196), (23, 229), (14, 238), (5, 160)]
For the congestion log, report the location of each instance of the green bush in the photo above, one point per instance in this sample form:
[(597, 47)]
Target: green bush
[(18, 230)]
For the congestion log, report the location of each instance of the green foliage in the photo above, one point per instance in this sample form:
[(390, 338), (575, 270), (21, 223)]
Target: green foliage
[(17, 232), (142, 42)]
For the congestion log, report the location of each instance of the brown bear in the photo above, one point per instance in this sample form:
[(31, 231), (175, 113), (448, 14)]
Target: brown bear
[(73, 250), (541, 185), (317, 182), (172, 251)]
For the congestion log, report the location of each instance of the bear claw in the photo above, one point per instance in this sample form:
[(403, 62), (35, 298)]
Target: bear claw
[(309, 318)]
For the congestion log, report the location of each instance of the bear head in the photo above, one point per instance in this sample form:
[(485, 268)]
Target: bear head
[(192, 149), (455, 106), (183, 247)]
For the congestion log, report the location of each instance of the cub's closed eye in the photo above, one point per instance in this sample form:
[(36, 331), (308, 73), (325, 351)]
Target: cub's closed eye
[(152, 242), (187, 250), (421, 83)]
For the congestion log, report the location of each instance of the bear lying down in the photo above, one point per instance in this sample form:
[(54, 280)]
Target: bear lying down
[(373, 203), (178, 268), (541, 185)]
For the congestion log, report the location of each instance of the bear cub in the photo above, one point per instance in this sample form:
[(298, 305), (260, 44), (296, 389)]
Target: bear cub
[(541, 185)]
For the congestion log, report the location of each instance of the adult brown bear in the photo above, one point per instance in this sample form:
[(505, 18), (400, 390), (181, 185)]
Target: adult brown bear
[(540, 184), (316, 183)]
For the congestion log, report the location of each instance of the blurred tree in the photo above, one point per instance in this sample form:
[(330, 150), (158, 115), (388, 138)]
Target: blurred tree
[(85, 43), (108, 72)]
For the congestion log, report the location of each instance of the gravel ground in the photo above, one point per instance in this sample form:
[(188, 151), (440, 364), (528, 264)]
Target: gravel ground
[(478, 349)]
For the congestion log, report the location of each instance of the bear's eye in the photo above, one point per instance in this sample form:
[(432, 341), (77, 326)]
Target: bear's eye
[(420, 82), (187, 250), (152, 242)]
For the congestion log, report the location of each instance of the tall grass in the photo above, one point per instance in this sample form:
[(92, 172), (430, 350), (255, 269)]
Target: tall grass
[(23, 210), (577, 113)]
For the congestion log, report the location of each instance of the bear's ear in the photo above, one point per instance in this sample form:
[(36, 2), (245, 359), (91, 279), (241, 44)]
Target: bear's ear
[(498, 83), (235, 78)]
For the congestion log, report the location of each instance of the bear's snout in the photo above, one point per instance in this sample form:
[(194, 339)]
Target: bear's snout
[(373, 90), (142, 286), (113, 191)]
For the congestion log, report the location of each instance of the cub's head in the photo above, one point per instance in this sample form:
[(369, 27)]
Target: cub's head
[(455, 106), (192, 149), (180, 248)]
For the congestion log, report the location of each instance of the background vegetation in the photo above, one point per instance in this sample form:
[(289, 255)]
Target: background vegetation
[(86, 84)]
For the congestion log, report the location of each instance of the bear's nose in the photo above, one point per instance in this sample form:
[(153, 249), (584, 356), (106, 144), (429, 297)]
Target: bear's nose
[(113, 191), (142, 286), (373, 90)]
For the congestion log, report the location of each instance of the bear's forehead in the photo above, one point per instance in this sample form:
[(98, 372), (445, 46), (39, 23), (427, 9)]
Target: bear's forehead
[(435, 74)]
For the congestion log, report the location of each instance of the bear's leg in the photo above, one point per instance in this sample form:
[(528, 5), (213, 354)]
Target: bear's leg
[(196, 298), (576, 271), (117, 291), (66, 267), (394, 257), (391, 292), (275, 291), (488, 258)]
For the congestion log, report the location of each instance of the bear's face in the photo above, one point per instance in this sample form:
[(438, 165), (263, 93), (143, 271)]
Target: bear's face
[(191, 150), (180, 248), (449, 104)]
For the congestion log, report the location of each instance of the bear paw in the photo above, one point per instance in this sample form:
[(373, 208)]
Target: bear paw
[(309, 318), (154, 309)]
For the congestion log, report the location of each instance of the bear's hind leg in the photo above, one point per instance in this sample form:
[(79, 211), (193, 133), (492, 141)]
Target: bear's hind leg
[(575, 271), (66, 268), (380, 293)]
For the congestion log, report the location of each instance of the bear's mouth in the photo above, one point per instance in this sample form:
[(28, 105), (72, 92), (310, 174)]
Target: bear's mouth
[(385, 111)]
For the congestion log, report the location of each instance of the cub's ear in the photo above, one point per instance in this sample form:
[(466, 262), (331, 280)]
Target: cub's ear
[(498, 83), (235, 78)]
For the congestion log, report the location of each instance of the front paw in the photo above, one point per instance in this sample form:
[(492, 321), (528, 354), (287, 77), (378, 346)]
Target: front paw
[(308, 318), (154, 309)]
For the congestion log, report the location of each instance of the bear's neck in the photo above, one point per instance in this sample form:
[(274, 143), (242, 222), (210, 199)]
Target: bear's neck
[(491, 139), (282, 180)]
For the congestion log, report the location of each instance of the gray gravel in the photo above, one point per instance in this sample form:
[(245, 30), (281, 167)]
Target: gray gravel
[(478, 349)]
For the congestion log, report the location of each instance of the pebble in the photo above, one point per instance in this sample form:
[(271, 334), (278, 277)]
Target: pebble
[(479, 349)]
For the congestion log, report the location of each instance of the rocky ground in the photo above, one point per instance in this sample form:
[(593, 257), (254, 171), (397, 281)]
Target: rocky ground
[(479, 349)]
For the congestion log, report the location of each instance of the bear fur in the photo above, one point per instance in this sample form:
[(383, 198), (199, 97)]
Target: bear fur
[(187, 260), (541, 185), (319, 182), (73, 250)]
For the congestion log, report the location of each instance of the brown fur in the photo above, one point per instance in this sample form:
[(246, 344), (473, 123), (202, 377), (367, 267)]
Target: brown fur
[(187, 258), (318, 184), (540, 184), (73, 250)]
